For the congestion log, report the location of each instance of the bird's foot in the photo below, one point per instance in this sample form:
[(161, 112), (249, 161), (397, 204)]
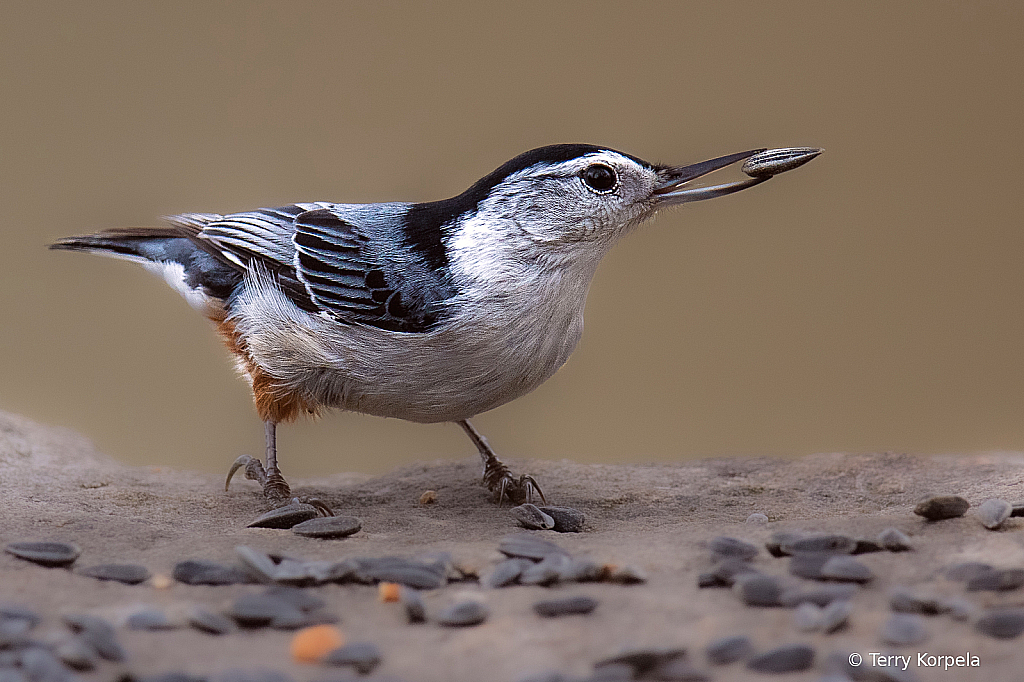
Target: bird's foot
[(500, 481), (275, 488)]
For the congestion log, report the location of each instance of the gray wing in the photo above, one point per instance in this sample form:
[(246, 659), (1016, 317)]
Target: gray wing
[(323, 263)]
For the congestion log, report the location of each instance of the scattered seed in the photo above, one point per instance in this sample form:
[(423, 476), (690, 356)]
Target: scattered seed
[(251, 675), (415, 610), (939, 507), (303, 600), (411, 573), (97, 633), (757, 519), (363, 656), (815, 544), (627, 575), (774, 161), (1018, 509), (679, 670), (175, 676), (529, 516), (726, 573), (261, 610), (894, 540), (904, 600), (328, 527), (993, 512), (966, 571), (545, 572), (75, 653), (161, 581), (311, 644), (866, 546), (807, 617), (505, 572), (783, 659), (846, 569), (149, 619), (1001, 623), (428, 497), (527, 546), (579, 604), (729, 649), (212, 623), (997, 580), (835, 616), (285, 517), (388, 592), (40, 664), (195, 572), (567, 519), (725, 547), (776, 542), (464, 614), (258, 563), (129, 574), (757, 589), (24, 616), (822, 595), (903, 629), (638, 663), (808, 565), (958, 608), (45, 553), (581, 570)]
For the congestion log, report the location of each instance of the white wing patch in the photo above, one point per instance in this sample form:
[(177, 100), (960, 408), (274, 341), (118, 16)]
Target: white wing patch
[(174, 274)]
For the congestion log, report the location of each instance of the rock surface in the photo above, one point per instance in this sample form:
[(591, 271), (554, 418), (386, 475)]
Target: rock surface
[(659, 518)]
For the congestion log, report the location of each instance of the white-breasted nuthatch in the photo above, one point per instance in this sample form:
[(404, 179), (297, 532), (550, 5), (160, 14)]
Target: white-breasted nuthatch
[(427, 312)]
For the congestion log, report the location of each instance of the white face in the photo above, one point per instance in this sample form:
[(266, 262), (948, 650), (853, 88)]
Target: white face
[(592, 198)]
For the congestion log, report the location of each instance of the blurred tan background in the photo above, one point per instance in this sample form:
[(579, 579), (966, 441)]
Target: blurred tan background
[(869, 301)]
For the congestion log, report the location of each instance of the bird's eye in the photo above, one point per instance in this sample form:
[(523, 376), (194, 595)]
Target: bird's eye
[(599, 177)]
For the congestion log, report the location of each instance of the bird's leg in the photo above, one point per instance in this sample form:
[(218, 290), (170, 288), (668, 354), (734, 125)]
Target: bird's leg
[(275, 488), (497, 477)]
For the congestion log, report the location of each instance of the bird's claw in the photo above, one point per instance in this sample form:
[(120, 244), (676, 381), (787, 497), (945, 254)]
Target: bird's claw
[(275, 488), (500, 481)]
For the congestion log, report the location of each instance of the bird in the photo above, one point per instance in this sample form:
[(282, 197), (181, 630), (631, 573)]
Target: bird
[(428, 312)]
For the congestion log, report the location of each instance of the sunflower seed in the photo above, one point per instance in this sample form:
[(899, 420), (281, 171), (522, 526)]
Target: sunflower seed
[(45, 553), (939, 507)]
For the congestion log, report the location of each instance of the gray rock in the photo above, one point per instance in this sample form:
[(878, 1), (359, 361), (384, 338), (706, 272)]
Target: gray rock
[(529, 516), (1001, 623), (903, 629), (940, 507), (285, 517), (45, 553), (567, 519), (993, 512), (328, 527), (729, 649), (363, 656), (784, 659), (757, 519), (846, 569), (464, 614), (724, 547), (129, 574), (575, 605), (894, 540)]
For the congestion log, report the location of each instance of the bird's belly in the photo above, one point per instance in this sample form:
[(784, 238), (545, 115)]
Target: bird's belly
[(454, 373)]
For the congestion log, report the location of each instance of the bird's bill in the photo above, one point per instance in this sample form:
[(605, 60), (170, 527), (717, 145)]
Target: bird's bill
[(672, 189)]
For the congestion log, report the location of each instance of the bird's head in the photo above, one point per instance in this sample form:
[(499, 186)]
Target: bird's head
[(574, 195)]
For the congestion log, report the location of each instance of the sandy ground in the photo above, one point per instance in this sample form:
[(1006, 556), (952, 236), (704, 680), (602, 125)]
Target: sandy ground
[(57, 487)]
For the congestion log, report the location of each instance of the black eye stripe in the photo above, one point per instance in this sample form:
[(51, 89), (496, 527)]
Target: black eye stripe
[(599, 177)]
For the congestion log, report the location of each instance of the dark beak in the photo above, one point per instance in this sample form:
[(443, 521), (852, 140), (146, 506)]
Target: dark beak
[(761, 165)]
